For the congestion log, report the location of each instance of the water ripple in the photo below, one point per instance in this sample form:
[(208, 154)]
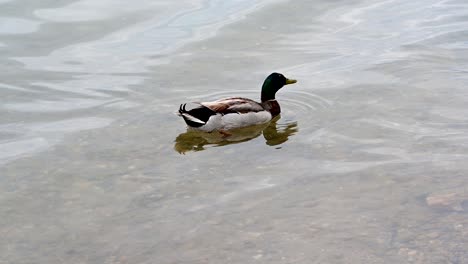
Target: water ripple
[(27, 139), (298, 100), (15, 26), (304, 101)]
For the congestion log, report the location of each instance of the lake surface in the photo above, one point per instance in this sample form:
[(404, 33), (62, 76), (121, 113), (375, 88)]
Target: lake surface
[(367, 164)]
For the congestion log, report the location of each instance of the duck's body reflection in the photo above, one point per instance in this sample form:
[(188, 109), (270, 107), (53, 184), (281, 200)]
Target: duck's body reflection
[(274, 134)]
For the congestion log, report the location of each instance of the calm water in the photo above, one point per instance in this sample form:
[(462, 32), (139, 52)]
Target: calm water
[(367, 164)]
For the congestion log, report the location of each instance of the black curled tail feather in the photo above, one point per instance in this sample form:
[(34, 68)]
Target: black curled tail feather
[(182, 109), (195, 117)]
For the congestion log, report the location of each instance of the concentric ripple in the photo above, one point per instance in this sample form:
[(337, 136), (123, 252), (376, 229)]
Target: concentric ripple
[(299, 101), (296, 101)]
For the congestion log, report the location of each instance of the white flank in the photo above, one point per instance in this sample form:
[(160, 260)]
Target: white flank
[(215, 122), (231, 121), (234, 120)]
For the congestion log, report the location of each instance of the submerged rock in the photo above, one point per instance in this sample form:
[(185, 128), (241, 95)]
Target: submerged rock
[(451, 201)]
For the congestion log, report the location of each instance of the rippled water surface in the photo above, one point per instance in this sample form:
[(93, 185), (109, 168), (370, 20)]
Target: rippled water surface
[(367, 164)]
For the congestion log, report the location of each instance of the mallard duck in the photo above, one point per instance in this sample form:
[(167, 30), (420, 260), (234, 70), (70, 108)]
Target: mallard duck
[(236, 112)]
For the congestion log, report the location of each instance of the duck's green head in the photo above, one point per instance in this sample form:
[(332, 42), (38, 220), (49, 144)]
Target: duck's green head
[(272, 84)]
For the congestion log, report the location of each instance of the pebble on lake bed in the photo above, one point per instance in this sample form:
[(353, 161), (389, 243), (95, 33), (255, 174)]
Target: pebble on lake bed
[(452, 201)]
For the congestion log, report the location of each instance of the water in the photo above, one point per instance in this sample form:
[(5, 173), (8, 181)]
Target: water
[(367, 163)]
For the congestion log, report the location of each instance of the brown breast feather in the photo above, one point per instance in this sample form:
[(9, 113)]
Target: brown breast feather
[(272, 106)]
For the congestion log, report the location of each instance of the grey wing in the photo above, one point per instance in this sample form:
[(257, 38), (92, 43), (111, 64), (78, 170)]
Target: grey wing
[(234, 105)]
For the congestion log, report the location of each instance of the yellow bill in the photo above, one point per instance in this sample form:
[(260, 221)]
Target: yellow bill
[(290, 81)]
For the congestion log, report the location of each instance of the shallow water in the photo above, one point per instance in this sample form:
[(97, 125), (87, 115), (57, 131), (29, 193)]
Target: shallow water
[(367, 163)]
